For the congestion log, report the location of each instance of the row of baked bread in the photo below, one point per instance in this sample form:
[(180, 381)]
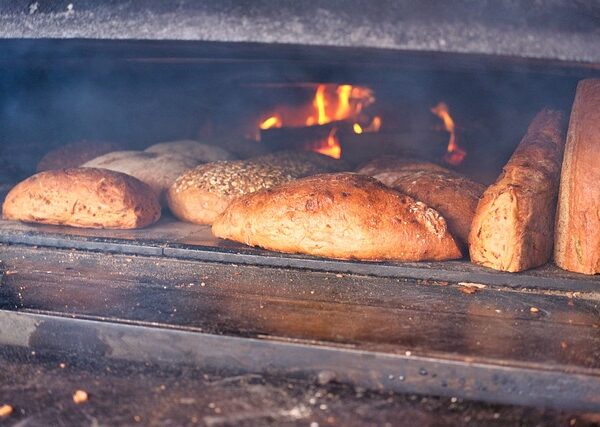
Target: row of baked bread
[(423, 212)]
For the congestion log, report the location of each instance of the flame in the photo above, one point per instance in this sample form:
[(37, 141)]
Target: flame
[(331, 147), (271, 122), (330, 103), (455, 154)]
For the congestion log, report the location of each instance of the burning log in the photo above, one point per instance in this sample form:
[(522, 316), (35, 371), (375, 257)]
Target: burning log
[(300, 138)]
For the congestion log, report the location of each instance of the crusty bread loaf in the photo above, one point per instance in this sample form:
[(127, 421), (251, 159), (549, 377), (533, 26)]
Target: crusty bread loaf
[(83, 197), (304, 163), (577, 243), (75, 154), (381, 166), (202, 153), (452, 195), (203, 193), (514, 223), (159, 171), (344, 216)]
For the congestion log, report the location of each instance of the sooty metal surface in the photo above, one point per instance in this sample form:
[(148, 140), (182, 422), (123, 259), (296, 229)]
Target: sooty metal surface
[(174, 239), (552, 29)]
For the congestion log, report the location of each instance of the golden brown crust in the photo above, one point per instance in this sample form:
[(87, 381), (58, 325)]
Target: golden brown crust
[(513, 226), (344, 215), (202, 153), (384, 167), (577, 240), (83, 197), (159, 171), (202, 194), (75, 154), (452, 195)]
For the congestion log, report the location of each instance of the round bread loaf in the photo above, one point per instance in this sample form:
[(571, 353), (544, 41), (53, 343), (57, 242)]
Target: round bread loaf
[(202, 153), (203, 193), (159, 171), (75, 154), (344, 216), (83, 197)]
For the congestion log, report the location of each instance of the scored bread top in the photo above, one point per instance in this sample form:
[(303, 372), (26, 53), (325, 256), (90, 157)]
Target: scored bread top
[(341, 215)]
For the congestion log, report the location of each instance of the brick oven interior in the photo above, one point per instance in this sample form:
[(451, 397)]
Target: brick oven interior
[(172, 304)]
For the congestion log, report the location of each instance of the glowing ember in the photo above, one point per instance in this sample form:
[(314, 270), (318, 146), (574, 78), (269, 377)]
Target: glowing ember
[(455, 154), (330, 103), (271, 122), (331, 147)]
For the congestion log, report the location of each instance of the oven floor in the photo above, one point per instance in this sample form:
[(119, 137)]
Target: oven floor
[(171, 238), (40, 388)]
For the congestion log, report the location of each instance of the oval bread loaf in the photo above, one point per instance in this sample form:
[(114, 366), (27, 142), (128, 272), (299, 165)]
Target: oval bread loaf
[(75, 154), (202, 153), (83, 197), (159, 171), (344, 216)]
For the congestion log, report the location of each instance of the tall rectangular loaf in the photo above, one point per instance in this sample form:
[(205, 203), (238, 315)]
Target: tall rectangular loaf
[(577, 238), (512, 229)]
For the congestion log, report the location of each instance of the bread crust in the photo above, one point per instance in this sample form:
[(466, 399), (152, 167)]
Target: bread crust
[(203, 193), (577, 238), (343, 216), (513, 227), (75, 154), (159, 171), (452, 195), (384, 167), (83, 197), (202, 153)]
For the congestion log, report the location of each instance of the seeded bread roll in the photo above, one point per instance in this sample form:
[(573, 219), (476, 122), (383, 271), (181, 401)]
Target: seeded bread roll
[(83, 197), (75, 154), (159, 171), (344, 216), (202, 153), (304, 163), (202, 194)]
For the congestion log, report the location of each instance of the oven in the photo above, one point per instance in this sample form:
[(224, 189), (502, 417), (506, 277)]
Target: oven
[(455, 83)]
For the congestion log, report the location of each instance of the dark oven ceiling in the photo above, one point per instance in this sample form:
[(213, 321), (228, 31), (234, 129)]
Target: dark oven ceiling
[(547, 29)]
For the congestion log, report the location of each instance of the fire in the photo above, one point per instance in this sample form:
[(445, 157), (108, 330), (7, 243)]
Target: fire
[(330, 103), (271, 122), (455, 154), (331, 147)]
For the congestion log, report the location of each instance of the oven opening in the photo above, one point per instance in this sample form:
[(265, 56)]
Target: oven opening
[(465, 114)]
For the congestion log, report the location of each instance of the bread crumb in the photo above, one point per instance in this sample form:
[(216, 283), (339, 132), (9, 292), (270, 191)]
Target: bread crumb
[(534, 309), (80, 396), (5, 410)]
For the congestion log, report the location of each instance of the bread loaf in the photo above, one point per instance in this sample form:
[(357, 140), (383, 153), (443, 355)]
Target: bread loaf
[(203, 193), (454, 196), (383, 165), (202, 153), (513, 226), (577, 243), (344, 216), (75, 154), (83, 197), (159, 171)]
